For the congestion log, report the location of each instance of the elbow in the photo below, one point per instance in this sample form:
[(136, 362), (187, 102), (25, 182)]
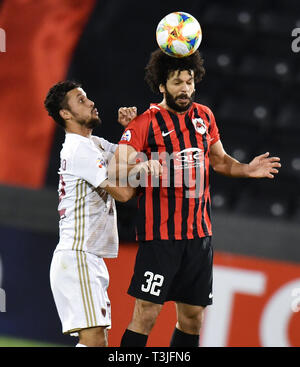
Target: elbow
[(213, 163), (123, 199), (215, 168), (220, 169), (125, 196)]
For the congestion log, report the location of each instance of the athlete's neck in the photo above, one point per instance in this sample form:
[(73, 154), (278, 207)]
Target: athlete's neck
[(79, 129)]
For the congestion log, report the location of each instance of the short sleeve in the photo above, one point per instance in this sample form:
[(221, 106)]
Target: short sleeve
[(89, 164), (213, 131), (136, 132), (107, 146)]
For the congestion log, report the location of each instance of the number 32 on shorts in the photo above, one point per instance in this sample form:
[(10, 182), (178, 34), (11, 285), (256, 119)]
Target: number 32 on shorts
[(153, 282)]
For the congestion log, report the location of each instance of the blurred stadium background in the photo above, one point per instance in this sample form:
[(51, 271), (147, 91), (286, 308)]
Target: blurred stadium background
[(252, 85)]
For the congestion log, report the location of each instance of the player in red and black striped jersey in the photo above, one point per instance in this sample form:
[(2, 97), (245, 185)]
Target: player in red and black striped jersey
[(179, 208), (174, 259)]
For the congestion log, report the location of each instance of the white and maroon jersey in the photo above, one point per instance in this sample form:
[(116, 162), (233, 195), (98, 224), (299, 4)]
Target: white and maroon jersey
[(88, 219)]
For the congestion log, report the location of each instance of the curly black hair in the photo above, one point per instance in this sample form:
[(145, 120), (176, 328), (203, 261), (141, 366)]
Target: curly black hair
[(56, 99), (160, 66)]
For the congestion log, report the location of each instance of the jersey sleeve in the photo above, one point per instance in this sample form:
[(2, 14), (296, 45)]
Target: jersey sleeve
[(89, 164), (136, 133), (213, 131), (107, 146)]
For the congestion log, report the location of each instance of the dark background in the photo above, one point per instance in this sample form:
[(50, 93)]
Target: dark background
[(252, 86)]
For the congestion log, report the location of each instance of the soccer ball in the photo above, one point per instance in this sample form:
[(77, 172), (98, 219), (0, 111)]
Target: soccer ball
[(178, 34)]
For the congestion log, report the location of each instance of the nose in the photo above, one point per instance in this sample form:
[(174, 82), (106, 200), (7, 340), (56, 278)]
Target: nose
[(184, 87), (92, 104)]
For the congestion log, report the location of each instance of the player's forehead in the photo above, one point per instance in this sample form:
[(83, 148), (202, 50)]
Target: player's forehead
[(181, 75)]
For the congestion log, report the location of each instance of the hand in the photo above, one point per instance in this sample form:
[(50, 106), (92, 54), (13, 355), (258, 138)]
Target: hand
[(154, 168), (151, 167), (264, 166), (126, 114)]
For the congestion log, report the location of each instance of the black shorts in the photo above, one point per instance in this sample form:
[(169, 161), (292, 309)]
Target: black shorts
[(174, 270)]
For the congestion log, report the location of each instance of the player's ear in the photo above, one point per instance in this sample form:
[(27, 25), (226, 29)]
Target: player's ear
[(65, 114), (162, 88)]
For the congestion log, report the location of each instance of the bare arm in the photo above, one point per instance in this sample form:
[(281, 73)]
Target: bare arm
[(260, 167), (124, 165), (121, 167), (111, 185), (121, 194)]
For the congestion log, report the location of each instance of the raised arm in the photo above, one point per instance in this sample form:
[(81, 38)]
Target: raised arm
[(112, 185)]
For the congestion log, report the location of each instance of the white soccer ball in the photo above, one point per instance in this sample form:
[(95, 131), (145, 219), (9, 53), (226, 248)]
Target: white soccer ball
[(179, 34)]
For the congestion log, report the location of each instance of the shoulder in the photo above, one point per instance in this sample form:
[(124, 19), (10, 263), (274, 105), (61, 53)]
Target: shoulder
[(101, 142), (202, 108), (138, 126), (97, 140), (141, 120), (137, 131), (79, 148), (205, 111), (76, 152), (70, 144)]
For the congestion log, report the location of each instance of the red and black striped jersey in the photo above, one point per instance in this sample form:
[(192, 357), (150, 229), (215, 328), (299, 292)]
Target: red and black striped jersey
[(178, 206)]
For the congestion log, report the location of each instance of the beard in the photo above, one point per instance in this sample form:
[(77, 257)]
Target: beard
[(171, 101), (92, 123)]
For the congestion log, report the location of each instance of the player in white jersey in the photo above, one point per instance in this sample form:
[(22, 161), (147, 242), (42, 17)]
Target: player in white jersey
[(88, 223), (87, 216)]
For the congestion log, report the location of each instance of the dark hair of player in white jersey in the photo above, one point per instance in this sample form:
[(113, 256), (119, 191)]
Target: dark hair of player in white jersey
[(56, 100)]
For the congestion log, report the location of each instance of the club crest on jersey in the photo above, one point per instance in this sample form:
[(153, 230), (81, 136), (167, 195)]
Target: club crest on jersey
[(126, 136), (199, 125)]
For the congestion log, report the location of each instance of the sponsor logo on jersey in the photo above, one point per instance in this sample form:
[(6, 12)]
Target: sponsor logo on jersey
[(187, 158)]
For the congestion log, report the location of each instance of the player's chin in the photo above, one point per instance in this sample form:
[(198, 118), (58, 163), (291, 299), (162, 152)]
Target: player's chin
[(183, 105), (94, 122)]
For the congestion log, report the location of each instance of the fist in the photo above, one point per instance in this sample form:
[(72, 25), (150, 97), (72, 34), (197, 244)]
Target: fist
[(126, 114), (152, 167)]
